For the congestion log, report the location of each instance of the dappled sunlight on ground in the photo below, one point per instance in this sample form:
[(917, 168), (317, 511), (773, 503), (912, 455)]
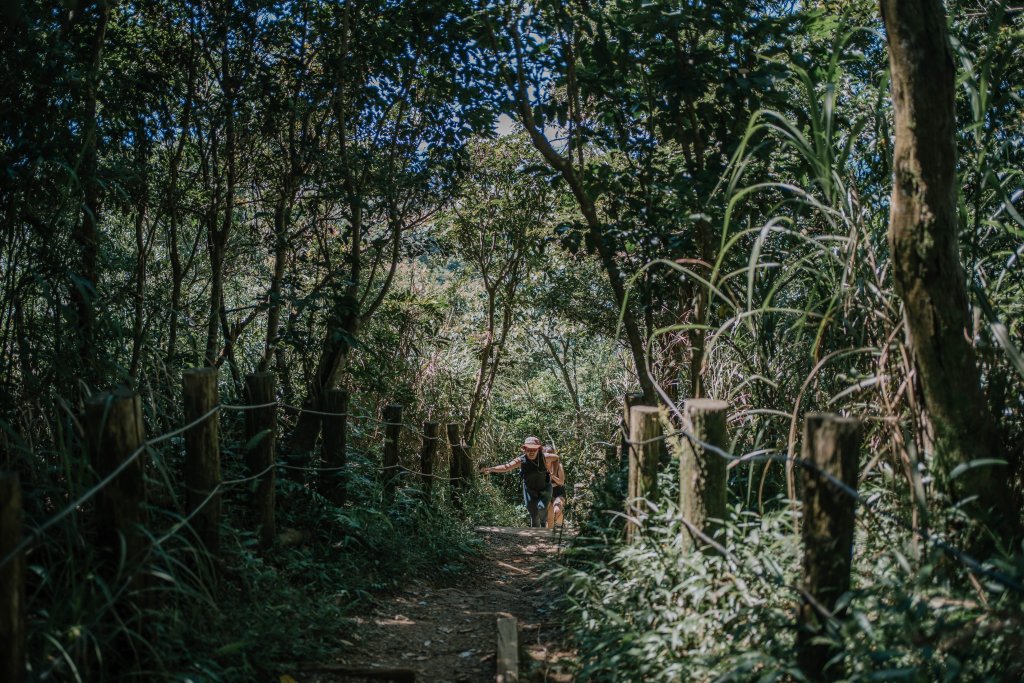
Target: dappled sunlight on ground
[(426, 633)]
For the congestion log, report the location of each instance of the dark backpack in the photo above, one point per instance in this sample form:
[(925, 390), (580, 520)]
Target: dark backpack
[(535, 473)]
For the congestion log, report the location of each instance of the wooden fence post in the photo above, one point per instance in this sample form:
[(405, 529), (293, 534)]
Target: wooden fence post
[(466, 468), (335, 445), (115, 431), (392, 431), (427, 453), (702, 472), (454, 431), (202, 455), (12, 582), (507, 651), (831, 447), (628, 401), (644, 449), (261, 440)]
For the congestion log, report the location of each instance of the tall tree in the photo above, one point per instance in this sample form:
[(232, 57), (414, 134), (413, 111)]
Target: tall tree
[(637, 108), (926, 264), (498, 226), (404, 97)]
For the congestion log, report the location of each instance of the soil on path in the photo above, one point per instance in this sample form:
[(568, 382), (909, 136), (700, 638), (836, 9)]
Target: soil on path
[(449, 634)]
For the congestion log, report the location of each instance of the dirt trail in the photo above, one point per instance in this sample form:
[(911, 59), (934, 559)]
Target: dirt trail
[(448, 634)]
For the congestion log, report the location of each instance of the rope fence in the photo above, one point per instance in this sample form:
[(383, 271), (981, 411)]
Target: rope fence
[(733, 460), (771, 455), (34, 534), (640, 434)]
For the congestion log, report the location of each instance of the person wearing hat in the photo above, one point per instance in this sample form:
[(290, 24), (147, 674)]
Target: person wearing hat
[(536, 480), (557, 475)]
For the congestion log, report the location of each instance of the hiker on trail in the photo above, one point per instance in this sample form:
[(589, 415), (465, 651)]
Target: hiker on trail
[(536, 481), (557, 475)]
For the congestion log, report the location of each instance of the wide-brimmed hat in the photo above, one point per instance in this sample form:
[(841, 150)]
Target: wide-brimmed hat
[(531, 441)]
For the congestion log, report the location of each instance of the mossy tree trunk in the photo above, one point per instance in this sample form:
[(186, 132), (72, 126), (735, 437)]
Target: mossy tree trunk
[(926, 264)]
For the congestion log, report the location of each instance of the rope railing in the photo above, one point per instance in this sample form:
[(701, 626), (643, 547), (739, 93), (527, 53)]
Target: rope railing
[(766, 455), (34, 534), (763, 455), (37, 532)]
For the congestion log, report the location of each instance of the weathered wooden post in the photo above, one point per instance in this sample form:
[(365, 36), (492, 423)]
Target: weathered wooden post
[(427, 453), (12, 582), (628, 401), (507, 651), (830, 449), (702, 472), (261, 441), (392, 430), (454, 431), (115, 432), (335, 445), (468, 473), (644, 449), (202, 455)]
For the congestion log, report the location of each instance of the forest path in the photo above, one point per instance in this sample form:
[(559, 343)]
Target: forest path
[(449, 634)]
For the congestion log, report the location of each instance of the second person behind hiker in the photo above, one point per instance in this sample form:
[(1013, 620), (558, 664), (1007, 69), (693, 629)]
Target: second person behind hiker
[(557, 476), (536, 482)]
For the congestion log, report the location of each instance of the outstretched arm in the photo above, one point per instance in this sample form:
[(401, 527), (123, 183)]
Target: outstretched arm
[(507, 467)]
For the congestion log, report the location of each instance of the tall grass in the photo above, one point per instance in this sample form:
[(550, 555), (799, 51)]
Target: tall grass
[(240, 616), (804, 318)]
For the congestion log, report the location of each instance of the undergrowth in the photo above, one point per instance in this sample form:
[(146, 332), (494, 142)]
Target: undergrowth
[(252, 613), (651, 611)]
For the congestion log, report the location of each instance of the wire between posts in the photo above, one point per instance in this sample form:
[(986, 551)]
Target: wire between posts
[(99, 486), (227, 406), (37, 532), (960, 556), (323, 413), (766, 579)]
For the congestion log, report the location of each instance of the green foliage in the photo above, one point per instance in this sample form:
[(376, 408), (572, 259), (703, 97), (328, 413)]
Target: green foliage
[(652, 612), (317, 189), (248, 612)]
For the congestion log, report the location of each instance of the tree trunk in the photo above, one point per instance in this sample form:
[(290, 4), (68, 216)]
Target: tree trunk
[(86, 234), (563, 368), (343, 323), (926, 264), (490, 360), (342, 326), (219, 236), (213, 323), (141, 251), (174, 215), (588, 207), (282, 213)]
